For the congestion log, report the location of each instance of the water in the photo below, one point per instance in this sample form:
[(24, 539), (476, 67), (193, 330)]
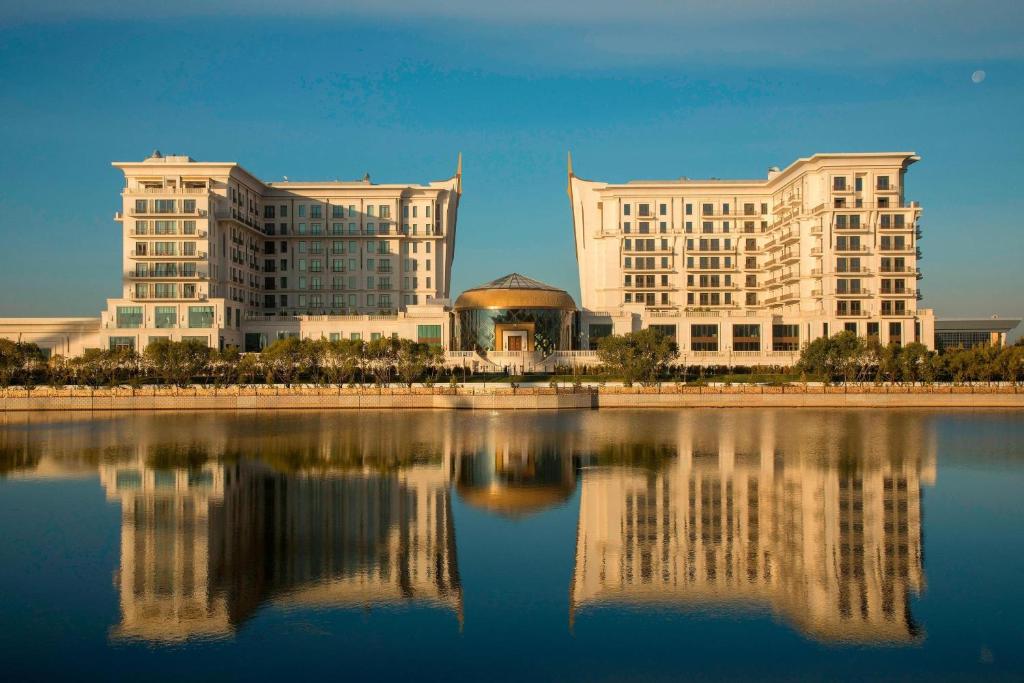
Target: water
[(645, 545)]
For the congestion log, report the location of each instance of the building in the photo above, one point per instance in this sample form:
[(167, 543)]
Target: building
[(954, 333), (746, 271), (515, 314), (209, 248), (212, 253)]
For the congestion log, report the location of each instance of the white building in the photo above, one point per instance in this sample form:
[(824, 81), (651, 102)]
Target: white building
[(746, 271)]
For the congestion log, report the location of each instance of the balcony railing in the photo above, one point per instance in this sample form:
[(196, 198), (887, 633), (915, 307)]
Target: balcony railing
[(166, 190)]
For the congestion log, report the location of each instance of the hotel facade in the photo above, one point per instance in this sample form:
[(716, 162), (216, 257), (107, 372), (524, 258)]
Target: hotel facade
[(750, 270), (737, 272)]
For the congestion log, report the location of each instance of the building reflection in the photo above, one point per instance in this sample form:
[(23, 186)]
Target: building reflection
[(206, 542), (814, 518), (821, 524)]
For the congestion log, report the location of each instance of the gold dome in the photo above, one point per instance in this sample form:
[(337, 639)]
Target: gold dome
[(515, 291)]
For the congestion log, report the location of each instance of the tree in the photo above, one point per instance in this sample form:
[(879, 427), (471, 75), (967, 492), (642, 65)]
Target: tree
[(178, 362), (830, 357), (915, 362), (889, 363), (248, 368), (281, 360), (379, 358), (342, 359), (414, 360), (224, 366), (637, 356), (19, 362)]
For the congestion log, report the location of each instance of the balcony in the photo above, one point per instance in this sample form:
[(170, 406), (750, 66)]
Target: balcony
[(897, 313), (851, 249), (166, 190), (135, 275), (859, 293), (841, 313), (143, 255), (150, 213), (179, 296), (892, 270), (898, 292)]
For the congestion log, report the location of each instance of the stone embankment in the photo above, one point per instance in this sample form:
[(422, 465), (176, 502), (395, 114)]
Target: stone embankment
[(505, 397)]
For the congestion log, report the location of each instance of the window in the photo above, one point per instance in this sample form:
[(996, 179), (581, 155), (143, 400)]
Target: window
[(165, 316), (785, 337), (188, 206), (165, 290), (200, 316), (746, 337), (626, 209), (122, 343), (140, 206), (129, 316), (839, 184), (704, 337), (163, 206), (429, 334), (882, 182)]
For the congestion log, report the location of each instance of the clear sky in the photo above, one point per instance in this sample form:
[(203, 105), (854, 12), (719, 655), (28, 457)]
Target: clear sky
[(642, 89)]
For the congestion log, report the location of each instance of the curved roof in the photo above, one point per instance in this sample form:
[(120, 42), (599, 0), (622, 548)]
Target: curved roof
[(515, 291)]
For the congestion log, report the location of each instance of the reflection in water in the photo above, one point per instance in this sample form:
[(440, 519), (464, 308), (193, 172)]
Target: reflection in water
[(824, 527), (815, 516)]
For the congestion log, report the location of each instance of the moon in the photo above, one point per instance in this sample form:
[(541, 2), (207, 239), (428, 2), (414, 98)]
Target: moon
[(978, 76)]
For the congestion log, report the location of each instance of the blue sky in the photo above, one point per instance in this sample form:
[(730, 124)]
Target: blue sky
[(636, 90)]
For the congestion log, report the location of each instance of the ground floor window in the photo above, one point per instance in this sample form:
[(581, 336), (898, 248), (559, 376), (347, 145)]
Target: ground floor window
[(895, 333), (200, 316), (429, 334), (704, 337), (667, 330), (255, 342), (205, 341), (785, 337), (596, 333), (129, 316), (165, 316), (746, 337), (122, 343)]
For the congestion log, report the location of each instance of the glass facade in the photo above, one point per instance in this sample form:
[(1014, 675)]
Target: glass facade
[(967, 339), (552, 327)]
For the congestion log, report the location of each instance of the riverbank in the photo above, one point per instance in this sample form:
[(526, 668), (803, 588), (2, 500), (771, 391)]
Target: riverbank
[(504, 397)]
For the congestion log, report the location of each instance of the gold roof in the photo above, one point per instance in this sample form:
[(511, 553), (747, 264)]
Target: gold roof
[(515, 291)]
